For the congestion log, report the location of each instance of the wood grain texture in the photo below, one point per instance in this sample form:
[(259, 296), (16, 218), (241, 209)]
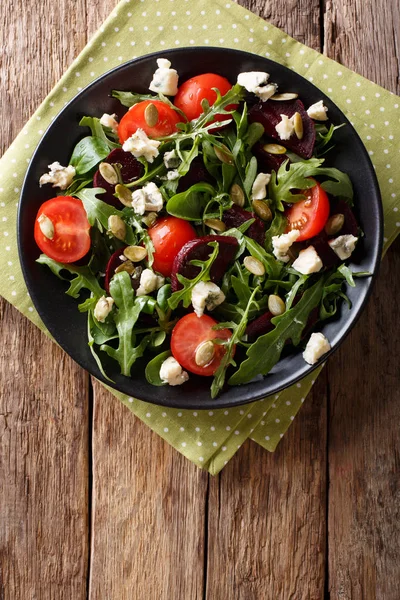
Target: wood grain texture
[(267, 521), (149, 506)]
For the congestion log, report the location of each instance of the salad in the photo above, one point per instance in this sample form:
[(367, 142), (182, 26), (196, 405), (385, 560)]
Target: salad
[(202, 230)]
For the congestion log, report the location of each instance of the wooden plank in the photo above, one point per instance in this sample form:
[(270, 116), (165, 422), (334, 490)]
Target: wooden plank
[(148, 511), (267, 524), (364, 439), (43, 394)]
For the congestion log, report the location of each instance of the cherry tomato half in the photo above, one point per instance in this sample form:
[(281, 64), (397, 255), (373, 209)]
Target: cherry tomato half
[(194, 90), (134, 119), (168, 235), (71, 239), (310, 215), (188, 334)]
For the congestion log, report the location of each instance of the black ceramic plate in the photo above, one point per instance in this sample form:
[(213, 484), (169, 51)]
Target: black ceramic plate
[(59, 312)]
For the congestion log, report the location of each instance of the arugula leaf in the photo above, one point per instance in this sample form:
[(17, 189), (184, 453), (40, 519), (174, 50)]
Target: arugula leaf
[(227, 359), (340, 186), (265, 352), (189, 205), (97, 130), (129, 99), (152, 371), (83, 277), (294, 176), (98, 212), (185, 294), (220, 107), (129, 308), (272, 266), (91, 327), (324, 136), (254, 133), (88, 153), (251, 173), (347, 274), (278, 226)]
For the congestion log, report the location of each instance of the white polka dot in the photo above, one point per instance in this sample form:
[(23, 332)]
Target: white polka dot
[(288, 402), (13, 293), (211, 413), (130, 400), (199, 443), (348, 101), (5, 233), (179, 414), (267, 438), (183, 444), (201, 458), (212, 428), (398, 224), (30, 309), (298, 385), (215, 444), (166, 429), (164, 414), (249, 416), (281, 435), (195, 414), (8, 248), (395, 209), (181, 429), (223, 448), (388, 166), (344, 87), (197, 429), (148, 415), (9, 263), (77, 74), (241, 412), (227, 428)]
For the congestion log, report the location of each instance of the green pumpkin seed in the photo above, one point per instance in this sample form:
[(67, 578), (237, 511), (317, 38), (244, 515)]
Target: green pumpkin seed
[(127, 266), (298, 125), (262, 210), (124, 195), (108, 173), (151, 115), (334, 224), (46, 226), (135, 253), (254, 265), (224, 154), (215, 224), (274, 149), (117, 227), (237, 195), (204, 353), (276, 305), (284, 96)]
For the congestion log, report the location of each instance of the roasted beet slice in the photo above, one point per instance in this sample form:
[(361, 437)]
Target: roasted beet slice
[(198, 249), (130, 169), (196, 174), (236, 216), (114, 262), (327, 255), (259, 326), (268, 162), (269, 115), (350, 222)]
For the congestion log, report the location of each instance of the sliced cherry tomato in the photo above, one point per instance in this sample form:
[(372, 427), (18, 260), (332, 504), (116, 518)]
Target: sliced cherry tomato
[(70, 240), (194, 90), (188, 334), (134, 119), (168, 235), (310, 215)]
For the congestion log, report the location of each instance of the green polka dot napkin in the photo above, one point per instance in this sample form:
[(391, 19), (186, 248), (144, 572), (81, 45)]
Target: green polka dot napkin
[(208, 438)]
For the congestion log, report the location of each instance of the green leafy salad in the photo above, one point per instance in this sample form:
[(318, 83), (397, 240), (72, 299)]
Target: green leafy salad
[(201, 229)]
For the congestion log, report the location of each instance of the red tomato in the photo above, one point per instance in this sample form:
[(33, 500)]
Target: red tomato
[(309, 216), (134, 119), (168, 235), (194, 90), (188, 334), (71, 239)]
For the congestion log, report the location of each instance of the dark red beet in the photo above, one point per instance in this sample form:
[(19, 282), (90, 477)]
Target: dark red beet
[(113, 264), (269, 115), (130, 169), (350, 223), (198, 249), (196, 174), (236, 216), (268, 162), (327, 255), (259, 326)]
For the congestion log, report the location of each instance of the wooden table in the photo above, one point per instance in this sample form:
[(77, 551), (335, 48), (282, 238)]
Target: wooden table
[(94, 505)]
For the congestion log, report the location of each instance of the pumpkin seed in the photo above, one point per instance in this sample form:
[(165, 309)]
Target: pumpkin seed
[(204, 353), (237, 195), (46, 226), (117, 227), (262, 210), (124, 195), (334, 224), (150, 219), (151, 114), (108, 173), (274, 149), (298, 125), (284, 96), (135, 253), (127, 266), (224, 154), (215, 224), (254, 265), (276, 305)]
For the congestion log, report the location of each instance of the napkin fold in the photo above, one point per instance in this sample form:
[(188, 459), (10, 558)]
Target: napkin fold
[(135, 28)]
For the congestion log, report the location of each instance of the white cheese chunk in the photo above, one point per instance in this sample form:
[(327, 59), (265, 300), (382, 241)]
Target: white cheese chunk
[(154, 199), (58, 175), (149, 282), (172, 373), (171, 159), (109, 121), (318, 111), (308, 261), (172, 175), (140, 145), (343, 245), (282, 243), (103, 308), (165, 79), (256, 82), (285, 128), (316, 347), (139, 202), (259, 189), (206, 295)]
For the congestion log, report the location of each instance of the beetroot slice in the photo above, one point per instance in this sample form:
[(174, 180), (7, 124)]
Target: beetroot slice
[(196, 174), (130, 169), (236, 216), (259, 326), (198, 249), (113, 263), (269, 115), (268, 162), (350, 222), (327, 255)]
